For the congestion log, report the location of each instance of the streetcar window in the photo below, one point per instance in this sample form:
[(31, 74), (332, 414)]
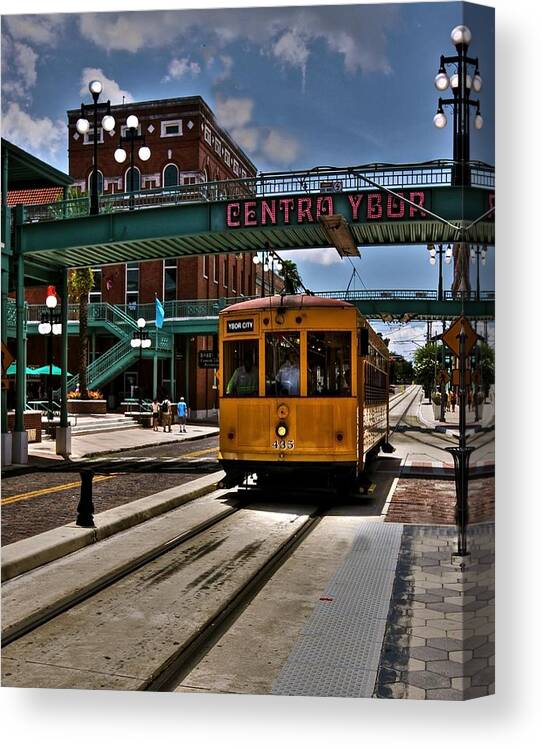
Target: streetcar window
[(241, 368), (329, 364), (281, 364)]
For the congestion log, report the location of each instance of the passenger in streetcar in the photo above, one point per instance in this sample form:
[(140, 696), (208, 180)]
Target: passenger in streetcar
[(288, 375), (244, 380)]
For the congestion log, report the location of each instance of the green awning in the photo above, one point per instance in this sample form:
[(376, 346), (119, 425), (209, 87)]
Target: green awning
[(56, 371), (12, 370)]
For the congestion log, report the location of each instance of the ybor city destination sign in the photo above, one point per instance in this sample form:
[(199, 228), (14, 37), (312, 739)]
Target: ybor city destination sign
[(306, 209)]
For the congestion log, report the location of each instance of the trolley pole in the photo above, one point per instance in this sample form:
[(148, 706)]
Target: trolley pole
[(442, 382), (461, 456)]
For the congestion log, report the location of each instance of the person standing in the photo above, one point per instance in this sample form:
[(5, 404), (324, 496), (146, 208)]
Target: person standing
[(182, 412), (155, 409), (165, 412)]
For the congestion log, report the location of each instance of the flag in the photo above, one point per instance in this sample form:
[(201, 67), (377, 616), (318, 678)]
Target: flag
[(159, 313)]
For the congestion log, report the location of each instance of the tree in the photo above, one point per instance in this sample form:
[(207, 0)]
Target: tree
[(426, 361), (401, 370), (486, 357), (290, 274), (80, 283)]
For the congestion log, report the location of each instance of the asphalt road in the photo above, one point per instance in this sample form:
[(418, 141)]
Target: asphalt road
[(38, 501)]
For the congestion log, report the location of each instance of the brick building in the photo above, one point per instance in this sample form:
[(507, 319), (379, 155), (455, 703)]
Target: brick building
[(188, 147)]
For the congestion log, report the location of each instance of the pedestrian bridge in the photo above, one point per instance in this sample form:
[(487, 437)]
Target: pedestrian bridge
[(375, 204)]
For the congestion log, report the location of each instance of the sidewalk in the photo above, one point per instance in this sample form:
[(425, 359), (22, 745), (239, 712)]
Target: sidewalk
[(90, 445), (451, 425)]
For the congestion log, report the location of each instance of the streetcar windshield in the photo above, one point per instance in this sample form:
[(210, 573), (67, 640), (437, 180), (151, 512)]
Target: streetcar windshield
[(329, 357), (241, 368), (281, 364)]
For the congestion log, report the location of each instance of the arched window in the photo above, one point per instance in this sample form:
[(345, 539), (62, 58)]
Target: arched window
[(100, 182), (128, 187), (171, 176)]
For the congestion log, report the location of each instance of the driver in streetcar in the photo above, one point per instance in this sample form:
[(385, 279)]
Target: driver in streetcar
[(244, 381)]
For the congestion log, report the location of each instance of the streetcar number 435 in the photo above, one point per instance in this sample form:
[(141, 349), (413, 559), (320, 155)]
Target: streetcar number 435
[(282, 444)]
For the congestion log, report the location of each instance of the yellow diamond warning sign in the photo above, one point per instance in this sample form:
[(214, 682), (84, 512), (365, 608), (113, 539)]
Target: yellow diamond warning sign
[(451, 336)]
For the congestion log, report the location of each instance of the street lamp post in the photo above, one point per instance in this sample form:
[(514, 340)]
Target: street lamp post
[(140, 339), (144, 152), (440, 251), (477, 253), (268, 259), (50, 325), (461, 82), (83, 126)]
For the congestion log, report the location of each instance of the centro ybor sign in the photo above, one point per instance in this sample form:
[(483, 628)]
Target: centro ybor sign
[(240, 325), (356, 207)]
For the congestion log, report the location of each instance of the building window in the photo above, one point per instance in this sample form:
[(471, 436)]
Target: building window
[(171, 128), (243, 173), (225, 271), (124, 130), (171, 176), (89, 136), (205, 266), (236, 167), (207, 134), (215, 269), (234, 275), (227, 157), (137, 180), (100, 182), (170, 279), (218, 146), (132, 284), (95, 293)]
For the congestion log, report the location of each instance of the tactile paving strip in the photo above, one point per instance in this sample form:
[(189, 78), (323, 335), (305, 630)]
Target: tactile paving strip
[(338, 651)]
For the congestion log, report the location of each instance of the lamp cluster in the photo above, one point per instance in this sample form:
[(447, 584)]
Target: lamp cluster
[(141, 338), (269, 257), (144, 152), (108, 121), (50, 321), (433, 253)]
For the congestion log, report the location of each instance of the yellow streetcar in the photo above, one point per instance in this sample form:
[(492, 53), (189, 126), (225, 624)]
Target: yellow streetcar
[(303, 392)]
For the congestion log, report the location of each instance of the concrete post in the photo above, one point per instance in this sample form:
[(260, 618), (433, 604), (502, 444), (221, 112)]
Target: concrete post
[(63, 432), (6, 250), (172, 368), (155, 377)]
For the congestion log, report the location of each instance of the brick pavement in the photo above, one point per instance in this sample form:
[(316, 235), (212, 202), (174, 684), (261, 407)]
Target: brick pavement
[(439, 640)]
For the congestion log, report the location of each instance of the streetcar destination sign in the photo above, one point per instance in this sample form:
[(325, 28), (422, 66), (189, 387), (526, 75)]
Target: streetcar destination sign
[(240, 325)]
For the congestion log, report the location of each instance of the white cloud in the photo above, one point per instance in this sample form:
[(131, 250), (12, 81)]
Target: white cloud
[(26, 58), (40, 136), (19, 73), (179, 68), (326, 256), (36, 29), (234, 112), (111, 89), (291, 49), (247, 137), (280, 147), (131, 32)]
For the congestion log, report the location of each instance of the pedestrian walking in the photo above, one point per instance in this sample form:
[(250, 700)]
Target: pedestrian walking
[(155, 409), (165, 413), (453, 400), (182, 412), (469, 399)]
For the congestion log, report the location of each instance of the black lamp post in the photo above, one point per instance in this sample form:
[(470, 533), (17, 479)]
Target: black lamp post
[(440, 251), (477, 253), (140, 339), (50, 325), (144, 152), (268, 259), (83, 126), (461, 82)]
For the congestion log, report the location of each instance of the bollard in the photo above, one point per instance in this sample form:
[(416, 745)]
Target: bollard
[(85, 508)]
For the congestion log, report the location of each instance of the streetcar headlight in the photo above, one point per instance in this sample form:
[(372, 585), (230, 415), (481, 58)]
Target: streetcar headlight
[(282, 430)]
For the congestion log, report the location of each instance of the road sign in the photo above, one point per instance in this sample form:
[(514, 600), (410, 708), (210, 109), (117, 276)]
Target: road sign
[(7, 359), (208, 359), (451, 336)]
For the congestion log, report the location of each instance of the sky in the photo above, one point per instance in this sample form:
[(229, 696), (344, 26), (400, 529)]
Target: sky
[(297, 87)]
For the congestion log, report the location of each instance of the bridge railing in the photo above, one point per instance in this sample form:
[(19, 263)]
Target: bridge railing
[(317, 180)]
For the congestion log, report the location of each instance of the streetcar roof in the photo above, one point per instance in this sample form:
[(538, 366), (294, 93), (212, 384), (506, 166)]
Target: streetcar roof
[(294, 301)]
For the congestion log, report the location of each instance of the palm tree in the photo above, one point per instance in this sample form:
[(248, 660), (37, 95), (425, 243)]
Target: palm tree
[(80, 283), (290, 274)]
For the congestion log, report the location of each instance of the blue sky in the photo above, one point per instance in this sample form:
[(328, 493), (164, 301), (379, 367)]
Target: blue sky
[(297, 87)]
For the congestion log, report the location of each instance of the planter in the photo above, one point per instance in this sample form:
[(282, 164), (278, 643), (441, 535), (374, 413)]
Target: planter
[(85, 407), (436, 412)]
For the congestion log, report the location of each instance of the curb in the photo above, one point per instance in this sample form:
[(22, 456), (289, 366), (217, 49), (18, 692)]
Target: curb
[(31, 553)]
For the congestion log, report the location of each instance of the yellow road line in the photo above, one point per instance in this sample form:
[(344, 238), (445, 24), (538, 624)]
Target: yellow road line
[(51, 489), (199, 452)]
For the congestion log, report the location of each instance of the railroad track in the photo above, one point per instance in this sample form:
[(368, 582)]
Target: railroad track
[(257, 538)]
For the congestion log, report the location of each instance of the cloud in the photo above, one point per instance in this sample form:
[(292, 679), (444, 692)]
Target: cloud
[(131, 32), (247, 137), (234, 112), (40, 136), (179, 68), (291, 49), (317, 256), (111, 89), (36, 29), (280, 147), (19, 73)]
